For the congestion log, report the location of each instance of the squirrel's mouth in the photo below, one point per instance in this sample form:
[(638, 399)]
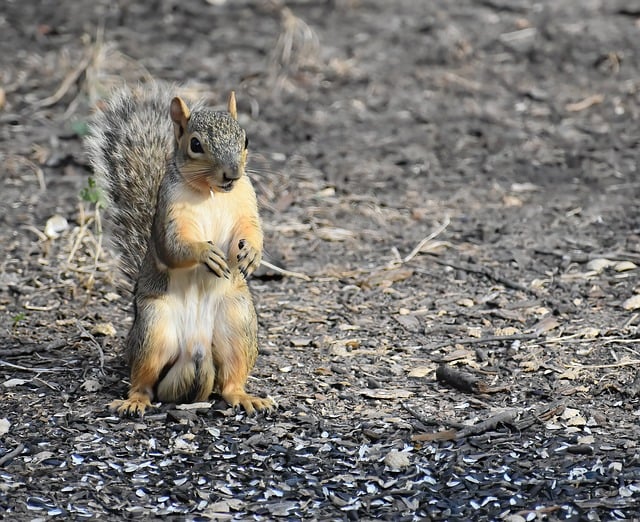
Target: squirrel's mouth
[(227, 185)]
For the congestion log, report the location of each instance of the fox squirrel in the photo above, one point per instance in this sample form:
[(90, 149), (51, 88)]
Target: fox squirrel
[(185, 221)]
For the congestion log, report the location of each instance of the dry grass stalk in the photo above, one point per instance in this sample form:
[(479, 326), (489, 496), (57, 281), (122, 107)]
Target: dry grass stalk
[(298, 46)]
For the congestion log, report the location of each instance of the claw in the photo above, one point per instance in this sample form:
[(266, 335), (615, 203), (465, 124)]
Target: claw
[(250, 403), (132, 407)]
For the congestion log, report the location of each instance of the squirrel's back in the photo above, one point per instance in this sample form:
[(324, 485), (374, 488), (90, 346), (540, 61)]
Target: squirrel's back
[(129, 143)]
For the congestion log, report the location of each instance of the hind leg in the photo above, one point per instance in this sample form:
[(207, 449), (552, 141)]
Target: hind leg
[(235, 349), (152, 347)]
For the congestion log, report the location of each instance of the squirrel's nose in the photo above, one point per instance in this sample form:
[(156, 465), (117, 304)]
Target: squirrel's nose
[(231, 173)]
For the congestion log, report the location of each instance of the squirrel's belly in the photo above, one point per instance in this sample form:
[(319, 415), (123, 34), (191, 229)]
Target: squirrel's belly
[(195, 296)]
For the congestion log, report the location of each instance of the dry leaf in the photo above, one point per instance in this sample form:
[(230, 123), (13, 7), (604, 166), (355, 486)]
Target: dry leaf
[(105, 329), (436, 435), (570, 374), (569, 412), (458, 355), (300, 341), (420, 371), (91, 385), (623, 266), (547, 324), (599, 264), (508, 330), (524, 187), (12, 383), (55, 226), (578, 420), (397, 460), (589, 332), (194, 406), (633, 303), (511, 201), (474, 331), (388, 276), (339, 350), (530, 366), (383, 394), (573, 417), (410, 322), (334, 234)]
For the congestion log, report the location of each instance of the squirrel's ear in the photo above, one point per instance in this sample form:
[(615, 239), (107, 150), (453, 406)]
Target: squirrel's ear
[(231, 104), (179, 115)]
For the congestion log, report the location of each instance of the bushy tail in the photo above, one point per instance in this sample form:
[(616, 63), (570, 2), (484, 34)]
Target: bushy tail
[(128, 145)]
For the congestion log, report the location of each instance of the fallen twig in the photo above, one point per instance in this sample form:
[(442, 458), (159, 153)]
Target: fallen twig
[(7, 457), (462, 381), (31, 348), (416, 250), (89, 335), (581, 257), (430, 237), (540, 415), (513, 418), (27, 369), (623, 362), (587, 102), (67, 82), (430, 422), (284, 272), (485, 271), (504, 417), (488, 339)]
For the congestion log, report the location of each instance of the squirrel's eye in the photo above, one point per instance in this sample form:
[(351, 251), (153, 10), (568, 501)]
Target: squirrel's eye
[(196, 146), (246, 142)]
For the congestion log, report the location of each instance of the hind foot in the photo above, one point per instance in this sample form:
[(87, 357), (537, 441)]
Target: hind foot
[(250, 403), (134, 406)]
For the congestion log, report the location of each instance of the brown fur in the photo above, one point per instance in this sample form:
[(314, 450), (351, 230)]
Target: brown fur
[(195, 327)]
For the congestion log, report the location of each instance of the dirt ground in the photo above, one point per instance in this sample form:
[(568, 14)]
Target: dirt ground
[(454, 187)]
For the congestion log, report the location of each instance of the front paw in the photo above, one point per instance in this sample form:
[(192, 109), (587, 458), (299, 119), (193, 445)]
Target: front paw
[(248, 258), (215, 260)]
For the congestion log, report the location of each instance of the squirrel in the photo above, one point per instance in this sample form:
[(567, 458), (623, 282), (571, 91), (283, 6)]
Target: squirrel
[(185, 220)]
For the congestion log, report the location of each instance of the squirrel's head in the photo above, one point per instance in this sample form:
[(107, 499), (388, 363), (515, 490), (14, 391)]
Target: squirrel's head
[(211, 147)]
